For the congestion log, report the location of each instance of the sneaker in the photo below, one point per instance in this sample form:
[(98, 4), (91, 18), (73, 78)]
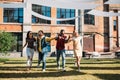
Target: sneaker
[(43, 70), (64, 70), (28, 63), (78, 70), (75, 64), (38, 66), (58, 68)]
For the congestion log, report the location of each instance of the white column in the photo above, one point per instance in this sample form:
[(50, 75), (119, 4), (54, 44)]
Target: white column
[(118, 30), (27, 19), (76, 20), (79, 24), (110, 33), (82, 25), (82, 22)]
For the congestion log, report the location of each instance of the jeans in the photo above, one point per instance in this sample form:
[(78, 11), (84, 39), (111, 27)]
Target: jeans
[(30, 52), (61, 52), (42, 58)]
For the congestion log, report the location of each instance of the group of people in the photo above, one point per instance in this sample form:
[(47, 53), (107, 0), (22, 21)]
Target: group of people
[(42, 48)]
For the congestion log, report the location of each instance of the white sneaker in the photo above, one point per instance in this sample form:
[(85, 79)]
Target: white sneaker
[(43, 70), (58, 68), (79, 70), (28, 63), (64, 70)]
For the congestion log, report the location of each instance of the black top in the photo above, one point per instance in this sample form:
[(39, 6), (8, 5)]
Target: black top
[(30, 42)]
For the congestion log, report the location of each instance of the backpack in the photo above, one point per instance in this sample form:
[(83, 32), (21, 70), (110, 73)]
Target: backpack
[(45, 46)]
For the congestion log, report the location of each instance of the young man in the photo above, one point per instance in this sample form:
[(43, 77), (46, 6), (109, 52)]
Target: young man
[(42, 47), (60, 48)]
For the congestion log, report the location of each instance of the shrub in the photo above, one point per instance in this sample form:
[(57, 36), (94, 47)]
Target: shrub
[(6, 42)]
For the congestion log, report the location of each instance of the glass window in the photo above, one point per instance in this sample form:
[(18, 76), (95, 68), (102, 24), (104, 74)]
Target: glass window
[(115, 25), (13, 15), (89, 19), (65, 13), (43, 10)]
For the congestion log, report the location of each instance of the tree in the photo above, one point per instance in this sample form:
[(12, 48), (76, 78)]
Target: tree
[(6, 42)]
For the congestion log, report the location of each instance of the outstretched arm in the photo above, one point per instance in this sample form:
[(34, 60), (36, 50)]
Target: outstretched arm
[(48, 39)]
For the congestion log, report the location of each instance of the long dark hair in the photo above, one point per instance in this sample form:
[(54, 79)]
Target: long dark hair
[(28, 34)]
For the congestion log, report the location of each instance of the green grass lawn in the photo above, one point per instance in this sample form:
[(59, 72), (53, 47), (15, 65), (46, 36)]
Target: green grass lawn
[(91, 69)]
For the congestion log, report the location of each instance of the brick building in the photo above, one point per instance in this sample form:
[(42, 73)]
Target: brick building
[(100, 33)]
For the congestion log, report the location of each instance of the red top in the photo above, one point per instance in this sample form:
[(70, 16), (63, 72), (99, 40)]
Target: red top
[(61, 42)]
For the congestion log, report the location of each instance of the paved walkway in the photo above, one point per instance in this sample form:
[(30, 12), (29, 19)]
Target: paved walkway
[(18, 54)]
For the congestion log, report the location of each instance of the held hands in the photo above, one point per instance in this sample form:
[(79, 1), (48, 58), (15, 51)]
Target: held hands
[(70, 36)]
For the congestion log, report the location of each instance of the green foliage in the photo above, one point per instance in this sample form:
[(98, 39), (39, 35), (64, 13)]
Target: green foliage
[(6, 42)]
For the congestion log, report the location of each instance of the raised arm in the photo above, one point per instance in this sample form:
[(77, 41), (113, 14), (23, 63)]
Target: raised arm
[(68, 40)]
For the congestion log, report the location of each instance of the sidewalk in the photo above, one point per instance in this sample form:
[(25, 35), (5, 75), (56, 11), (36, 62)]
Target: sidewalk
[(15, 55), (70, 54)]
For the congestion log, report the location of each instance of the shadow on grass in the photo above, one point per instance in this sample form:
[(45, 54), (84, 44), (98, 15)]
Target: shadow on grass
[(39, 74), (15, 62), (98, 68), (24, 62), (108, 76), (22, 68), (95, 63)]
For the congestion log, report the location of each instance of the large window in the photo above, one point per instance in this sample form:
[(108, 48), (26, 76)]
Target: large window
[(89, 19), (14, 15), (65, 13), (43, 10)]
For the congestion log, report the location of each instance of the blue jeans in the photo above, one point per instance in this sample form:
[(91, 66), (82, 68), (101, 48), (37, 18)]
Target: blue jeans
[(42, 58), (61, 52)]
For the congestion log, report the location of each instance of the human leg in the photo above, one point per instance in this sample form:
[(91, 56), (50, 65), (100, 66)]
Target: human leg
[(44, 61), (63, 59), (31, 56), (78, 58), (39, 58), (58, 59), (28, 57)]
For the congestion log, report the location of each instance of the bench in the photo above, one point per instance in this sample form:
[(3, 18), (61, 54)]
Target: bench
[(91, 54), (96, 54)]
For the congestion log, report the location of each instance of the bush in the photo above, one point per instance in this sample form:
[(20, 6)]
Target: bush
[(6, 42)]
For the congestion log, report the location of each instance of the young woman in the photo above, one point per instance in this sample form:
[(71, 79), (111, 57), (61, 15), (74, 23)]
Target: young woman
[(30, 41), (77, 47)]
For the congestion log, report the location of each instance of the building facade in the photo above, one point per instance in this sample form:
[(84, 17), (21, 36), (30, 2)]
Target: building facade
[(100, 33)]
